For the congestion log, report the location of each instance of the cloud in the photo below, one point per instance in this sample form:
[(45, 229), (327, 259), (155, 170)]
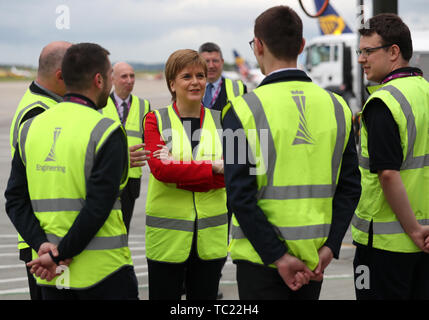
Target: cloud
[(150, 30)]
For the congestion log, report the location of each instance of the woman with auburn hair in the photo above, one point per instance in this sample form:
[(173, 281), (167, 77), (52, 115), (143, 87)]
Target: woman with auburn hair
[(186, 214)]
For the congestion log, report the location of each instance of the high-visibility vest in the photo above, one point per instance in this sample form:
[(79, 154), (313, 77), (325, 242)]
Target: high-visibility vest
[(133, 125), (297, 133), (234, 88), (58, 149), (173, 214), (28, 102), (408, 101)]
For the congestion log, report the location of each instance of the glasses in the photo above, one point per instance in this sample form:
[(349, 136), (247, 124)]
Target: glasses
[(367, 51), (252, 44)]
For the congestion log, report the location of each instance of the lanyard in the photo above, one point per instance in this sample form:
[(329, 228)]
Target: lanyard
[(77, 100), (216, 93), (402, 75)]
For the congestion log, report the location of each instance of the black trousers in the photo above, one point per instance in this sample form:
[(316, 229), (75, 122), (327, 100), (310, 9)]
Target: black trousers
[(35, 291), (201, 278), (391, 275), (121, 285), (128, 198), (258, 282)]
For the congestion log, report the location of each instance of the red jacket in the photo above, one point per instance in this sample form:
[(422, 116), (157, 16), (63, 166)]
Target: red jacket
[(191, 176)]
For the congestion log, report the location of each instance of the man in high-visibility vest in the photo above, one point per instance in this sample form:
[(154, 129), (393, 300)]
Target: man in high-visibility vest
[(63, 191), (291, 170), (390, 225), (219, 90), (130, 111), (43, 93)]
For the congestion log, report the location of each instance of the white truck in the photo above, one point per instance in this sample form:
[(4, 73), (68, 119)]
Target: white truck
[(331, 62)]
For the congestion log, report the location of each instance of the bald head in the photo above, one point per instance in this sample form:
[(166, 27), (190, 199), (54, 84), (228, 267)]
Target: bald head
[(123, 79), (51, 58), (49, 72)]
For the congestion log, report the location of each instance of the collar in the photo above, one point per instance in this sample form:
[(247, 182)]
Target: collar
[(80, 99), (402, 73), (215, 84), (119, 101), (396, 74), (285, 75), (39, 89), (202, 112)]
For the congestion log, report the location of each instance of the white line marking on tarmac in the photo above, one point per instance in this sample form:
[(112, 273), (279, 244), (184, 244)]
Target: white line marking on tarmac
[(15, 246), (15, 254), (14, 280), (14, 291), (12, 266)]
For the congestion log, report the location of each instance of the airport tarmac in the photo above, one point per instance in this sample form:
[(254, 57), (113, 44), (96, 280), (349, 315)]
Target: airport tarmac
[(337, 284)]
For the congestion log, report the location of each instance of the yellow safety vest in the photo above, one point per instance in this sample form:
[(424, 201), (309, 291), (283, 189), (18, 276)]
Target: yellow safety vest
[(58, 149), (171, 213), (297, 133), (133, 125), (28, 102), (234, 88), (408, 101)]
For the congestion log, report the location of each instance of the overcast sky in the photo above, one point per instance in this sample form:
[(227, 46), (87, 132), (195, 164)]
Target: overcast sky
[(150, 30)]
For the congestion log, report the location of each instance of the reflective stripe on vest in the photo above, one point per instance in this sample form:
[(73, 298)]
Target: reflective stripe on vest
[(407, 100), (410, 162), (96, 135), (29, 101), (97, 243), (233, 88), (301, 191), (108, 249), (169, 231), (54, 205), (392, 227), (20, 116), (186, 225), (304, 237), (142, 112), (133, 124)]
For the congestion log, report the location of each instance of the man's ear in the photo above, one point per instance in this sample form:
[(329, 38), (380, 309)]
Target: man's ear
[(302, 46), (59, 75), (259, 46), (98, 81), (395, 52)]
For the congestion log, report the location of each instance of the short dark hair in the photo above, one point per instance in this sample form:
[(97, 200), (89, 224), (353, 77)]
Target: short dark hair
[(82, 62), (210, 47), (280, 28), (392, 30)]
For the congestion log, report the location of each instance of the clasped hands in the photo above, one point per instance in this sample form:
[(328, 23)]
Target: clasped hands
[(164, 154), (44, 267), (295, 273)]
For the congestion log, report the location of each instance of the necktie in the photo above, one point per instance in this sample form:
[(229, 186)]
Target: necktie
[(208, 96), (124, 112)]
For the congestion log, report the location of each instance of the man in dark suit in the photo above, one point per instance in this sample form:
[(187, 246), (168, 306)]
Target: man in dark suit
[(218, 89)]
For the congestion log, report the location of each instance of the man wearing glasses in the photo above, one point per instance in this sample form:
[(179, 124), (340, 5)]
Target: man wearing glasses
[(389, 225)]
